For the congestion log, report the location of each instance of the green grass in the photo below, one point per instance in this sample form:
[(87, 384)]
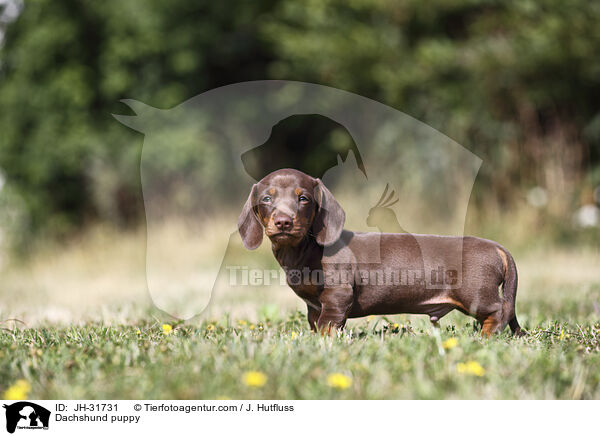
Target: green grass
[(93, 334), (557, 360)]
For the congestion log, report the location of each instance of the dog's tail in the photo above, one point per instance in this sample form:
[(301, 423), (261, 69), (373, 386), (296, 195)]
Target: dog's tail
[(509, 288)]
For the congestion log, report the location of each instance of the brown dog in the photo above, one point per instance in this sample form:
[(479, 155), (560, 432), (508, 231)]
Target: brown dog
[(340, 275)]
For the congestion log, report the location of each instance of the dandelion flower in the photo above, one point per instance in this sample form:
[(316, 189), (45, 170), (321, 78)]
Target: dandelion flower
[(562, 334), (18, 391), (254, 379), (252, 327), (293, 335), (450, 343), (210, 327), (470, 367), (339, 381), (242, 322), (167, 328)]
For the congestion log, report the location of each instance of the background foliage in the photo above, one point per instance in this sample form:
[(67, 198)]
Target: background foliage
[(516, 82)]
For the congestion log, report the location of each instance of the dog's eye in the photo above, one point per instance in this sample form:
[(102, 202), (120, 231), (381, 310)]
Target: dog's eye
[(304, 198), (266, 199)]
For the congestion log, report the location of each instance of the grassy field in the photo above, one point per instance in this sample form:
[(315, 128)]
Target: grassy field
[(87, 329), (376, 359)]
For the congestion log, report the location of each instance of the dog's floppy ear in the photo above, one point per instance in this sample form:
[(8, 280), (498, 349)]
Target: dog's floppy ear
[(251, 230), (330, 217)]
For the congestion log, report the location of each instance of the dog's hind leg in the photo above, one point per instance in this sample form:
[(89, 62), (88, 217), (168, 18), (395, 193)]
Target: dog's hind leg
[(515, 327), (492, 323), (509, 288)]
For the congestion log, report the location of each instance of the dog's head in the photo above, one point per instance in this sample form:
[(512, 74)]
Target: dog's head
[(289, 206)]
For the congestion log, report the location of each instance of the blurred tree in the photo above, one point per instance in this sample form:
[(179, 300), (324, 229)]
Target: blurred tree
[(65, 65), (517, 82)]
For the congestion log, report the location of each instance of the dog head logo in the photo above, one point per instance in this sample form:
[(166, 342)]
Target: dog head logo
[(204, 149), (26, 415)]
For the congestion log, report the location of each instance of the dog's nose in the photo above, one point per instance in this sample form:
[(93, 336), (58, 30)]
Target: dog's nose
[(283, 222)]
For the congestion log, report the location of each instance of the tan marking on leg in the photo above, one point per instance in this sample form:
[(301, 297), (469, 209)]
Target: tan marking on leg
[(328, 330), (490, 325)]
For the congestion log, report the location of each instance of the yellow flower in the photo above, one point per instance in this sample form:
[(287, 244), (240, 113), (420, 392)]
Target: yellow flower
[(450, 343), (396, 325), (293, 335), (242, 322), (254, 379), (252, 327), (562, 334), (339, 381), (471, 367), (167, 328), (18, 391), (370, 318), (210, 327)]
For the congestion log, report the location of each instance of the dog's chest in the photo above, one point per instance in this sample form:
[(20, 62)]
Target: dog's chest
[(303, 283)]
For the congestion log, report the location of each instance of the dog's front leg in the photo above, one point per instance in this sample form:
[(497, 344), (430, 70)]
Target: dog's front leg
[(313, 317), (335, 307)]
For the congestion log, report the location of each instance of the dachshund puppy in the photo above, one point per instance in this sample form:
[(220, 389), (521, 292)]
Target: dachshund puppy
[(341, 274)]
